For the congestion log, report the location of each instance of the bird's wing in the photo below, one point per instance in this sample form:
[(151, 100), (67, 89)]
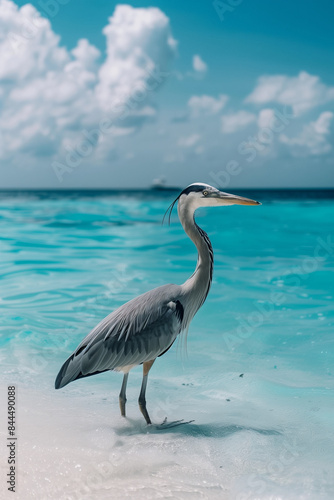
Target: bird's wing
[(136, 332)]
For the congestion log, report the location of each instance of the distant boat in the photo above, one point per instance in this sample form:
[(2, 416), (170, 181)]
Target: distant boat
[(161, 185)]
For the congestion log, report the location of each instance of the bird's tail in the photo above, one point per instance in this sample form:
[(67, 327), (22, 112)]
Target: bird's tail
[(68, 372), (72, 370)]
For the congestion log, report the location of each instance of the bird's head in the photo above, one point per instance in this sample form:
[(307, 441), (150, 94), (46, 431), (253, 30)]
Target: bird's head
[(200, 194), (203, 195)]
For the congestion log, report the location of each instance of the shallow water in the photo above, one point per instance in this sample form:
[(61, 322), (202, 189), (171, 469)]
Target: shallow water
[(257, 377)]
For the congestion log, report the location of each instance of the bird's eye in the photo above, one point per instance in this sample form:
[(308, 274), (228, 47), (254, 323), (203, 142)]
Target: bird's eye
[(205, 193)]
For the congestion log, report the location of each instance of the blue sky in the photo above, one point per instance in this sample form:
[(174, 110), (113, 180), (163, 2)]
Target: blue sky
[(246, 100)]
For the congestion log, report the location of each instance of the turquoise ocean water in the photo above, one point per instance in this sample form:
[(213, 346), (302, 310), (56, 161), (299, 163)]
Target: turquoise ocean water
[(258, 373)]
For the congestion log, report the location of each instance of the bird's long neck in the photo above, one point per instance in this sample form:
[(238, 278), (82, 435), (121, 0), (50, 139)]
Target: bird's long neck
[(197, 287)]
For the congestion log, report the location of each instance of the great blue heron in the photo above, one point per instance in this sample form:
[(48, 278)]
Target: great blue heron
[(146, 327)]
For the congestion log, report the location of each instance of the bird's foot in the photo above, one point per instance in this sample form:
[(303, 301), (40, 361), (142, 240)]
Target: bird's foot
[(175, 423)]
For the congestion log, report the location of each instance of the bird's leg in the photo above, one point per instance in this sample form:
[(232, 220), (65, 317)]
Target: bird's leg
[(122, 394), (142, 401)]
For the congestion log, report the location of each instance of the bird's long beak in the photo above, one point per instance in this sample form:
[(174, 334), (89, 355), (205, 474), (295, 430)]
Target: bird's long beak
[(232, 199)]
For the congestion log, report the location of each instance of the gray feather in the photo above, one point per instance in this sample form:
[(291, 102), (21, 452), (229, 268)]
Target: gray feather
[(138, 331)]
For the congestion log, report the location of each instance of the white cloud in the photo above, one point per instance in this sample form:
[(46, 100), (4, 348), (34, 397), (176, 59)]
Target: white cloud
[(302, 92), (86, 54), (236, 121), (266, 118), (313, 137), (27, 44), (190, 141), (137, 40), (199, 65), (49, 95), (206, 105)]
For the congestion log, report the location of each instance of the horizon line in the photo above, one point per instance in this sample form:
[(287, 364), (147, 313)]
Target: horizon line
[(153, 190)]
